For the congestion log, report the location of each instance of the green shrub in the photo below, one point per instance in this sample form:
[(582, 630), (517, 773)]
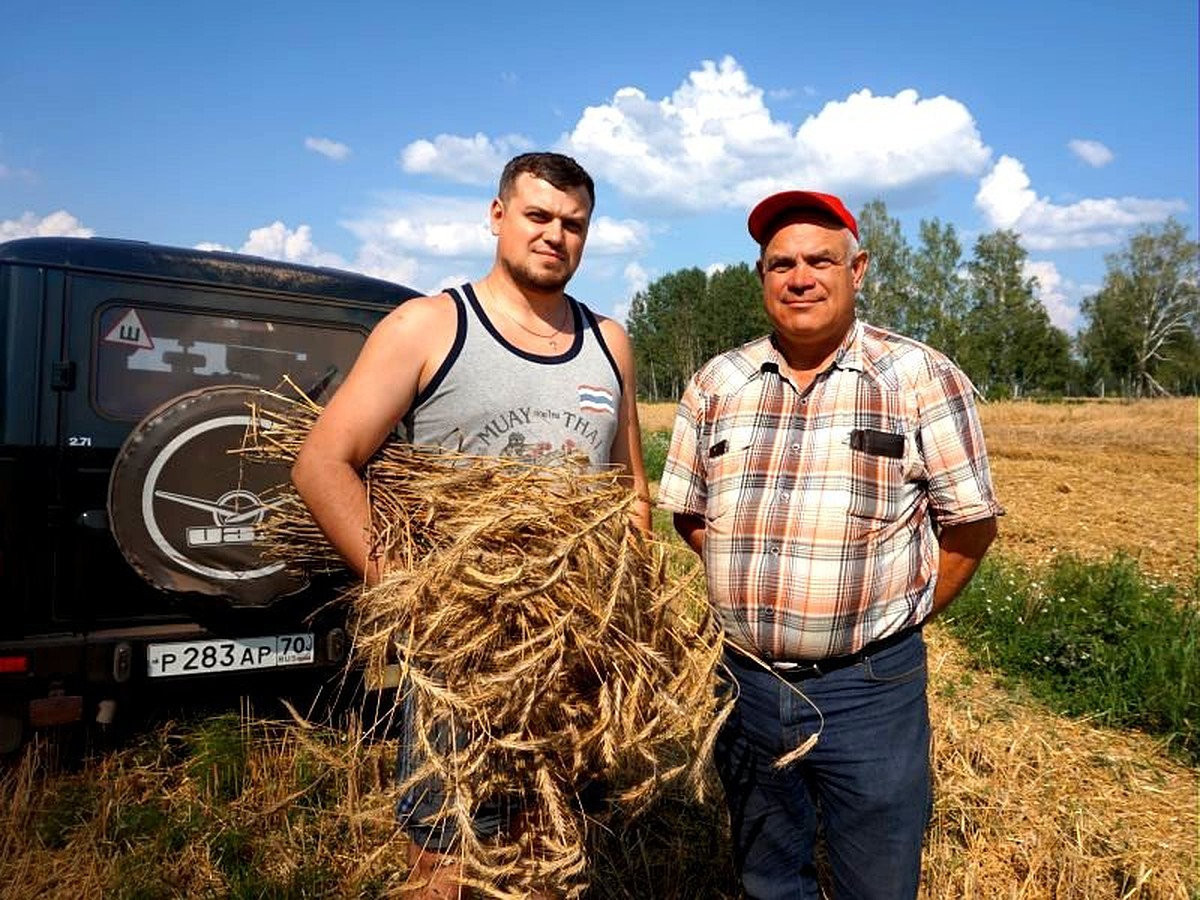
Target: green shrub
[(1091, 638)]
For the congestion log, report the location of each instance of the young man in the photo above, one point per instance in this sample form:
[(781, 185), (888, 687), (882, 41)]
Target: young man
[(833, 477), (495, 367)]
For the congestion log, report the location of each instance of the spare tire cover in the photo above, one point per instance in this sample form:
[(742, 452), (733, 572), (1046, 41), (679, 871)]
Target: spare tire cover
[(187, 512)]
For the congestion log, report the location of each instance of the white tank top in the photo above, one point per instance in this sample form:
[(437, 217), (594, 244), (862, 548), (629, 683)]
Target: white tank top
[(490, 398)]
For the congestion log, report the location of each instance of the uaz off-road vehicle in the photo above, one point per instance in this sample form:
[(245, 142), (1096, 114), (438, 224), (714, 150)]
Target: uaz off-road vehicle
[(129, 558)]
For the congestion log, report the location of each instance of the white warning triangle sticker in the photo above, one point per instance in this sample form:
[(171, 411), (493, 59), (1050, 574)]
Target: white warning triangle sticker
[(130, 331)]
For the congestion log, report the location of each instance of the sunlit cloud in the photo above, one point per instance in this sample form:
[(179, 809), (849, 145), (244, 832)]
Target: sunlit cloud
[(1093, 153), (714, 143), (466, 160), (277, 241), (1007, 200), (57, 224), (636, 277), (608, 236), (296, 245), (1055, 292)]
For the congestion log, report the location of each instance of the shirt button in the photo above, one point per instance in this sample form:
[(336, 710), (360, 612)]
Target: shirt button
[(795, 448), (785, 496), (774, 549)]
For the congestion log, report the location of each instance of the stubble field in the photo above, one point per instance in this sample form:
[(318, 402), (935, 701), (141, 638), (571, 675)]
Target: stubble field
[(1032, 804), (1028, 804), (1090, 478)]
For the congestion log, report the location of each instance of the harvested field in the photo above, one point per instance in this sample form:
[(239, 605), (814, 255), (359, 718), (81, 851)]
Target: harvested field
[(1091, 478), (1033, 805), (1028, 804), (1095, 478)]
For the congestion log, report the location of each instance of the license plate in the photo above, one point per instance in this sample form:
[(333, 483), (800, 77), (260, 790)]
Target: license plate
[(228, 655)]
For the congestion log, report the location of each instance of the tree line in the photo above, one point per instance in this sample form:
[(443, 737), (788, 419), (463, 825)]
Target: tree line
[(1140, 332)]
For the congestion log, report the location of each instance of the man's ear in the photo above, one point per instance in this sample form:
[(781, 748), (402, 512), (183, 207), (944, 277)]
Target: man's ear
[(495, 215), (858, 268)]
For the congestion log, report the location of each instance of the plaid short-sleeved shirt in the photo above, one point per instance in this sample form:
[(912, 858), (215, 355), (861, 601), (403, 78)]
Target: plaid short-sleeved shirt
[(820, 507)]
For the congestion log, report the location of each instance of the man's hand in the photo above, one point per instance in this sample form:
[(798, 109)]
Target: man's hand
[(691, 528)]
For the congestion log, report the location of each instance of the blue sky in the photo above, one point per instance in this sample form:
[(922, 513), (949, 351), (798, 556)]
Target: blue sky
[(369, 135)]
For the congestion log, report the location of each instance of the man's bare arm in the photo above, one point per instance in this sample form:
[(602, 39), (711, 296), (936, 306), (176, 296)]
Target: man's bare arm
[(376, 393), (627, 445), (960, 550)]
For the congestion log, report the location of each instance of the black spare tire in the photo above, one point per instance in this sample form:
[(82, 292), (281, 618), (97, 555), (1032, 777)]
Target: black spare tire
[(187, 511)]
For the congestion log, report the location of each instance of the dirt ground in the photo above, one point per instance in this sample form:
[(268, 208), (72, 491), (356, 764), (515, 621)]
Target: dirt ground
[(1091, 478)]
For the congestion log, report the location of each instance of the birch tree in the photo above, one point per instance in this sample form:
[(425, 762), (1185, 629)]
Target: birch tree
[(1146, 317)]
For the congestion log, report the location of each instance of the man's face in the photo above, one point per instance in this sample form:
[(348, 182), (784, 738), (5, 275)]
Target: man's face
[(540, 233), (810, 282)]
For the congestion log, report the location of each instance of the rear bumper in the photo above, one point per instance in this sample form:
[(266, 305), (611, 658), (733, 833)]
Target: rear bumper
[(60, 678)]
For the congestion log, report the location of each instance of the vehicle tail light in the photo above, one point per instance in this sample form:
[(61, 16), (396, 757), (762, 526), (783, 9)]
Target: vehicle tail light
[(14, 664)]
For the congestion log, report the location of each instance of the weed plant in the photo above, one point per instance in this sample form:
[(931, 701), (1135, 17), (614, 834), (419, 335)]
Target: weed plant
[(1096, 639)]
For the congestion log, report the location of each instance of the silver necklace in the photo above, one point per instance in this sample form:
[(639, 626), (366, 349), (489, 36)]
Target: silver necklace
[(551, 338)]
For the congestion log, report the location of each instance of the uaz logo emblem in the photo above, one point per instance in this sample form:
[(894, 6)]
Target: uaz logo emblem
[(234, 514)]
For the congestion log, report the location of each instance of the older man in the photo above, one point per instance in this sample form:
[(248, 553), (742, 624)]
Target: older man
[(833, 477)]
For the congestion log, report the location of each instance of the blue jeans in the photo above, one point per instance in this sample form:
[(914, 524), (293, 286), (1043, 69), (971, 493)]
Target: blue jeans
[(420, 811), (865, 785)]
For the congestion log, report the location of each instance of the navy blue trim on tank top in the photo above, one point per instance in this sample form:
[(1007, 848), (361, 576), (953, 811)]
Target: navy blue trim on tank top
[(460, 338), (570, 353), (594, 324)]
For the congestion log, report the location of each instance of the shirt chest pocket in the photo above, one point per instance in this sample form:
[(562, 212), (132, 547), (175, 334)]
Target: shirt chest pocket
[(879, 476), (728, 463)]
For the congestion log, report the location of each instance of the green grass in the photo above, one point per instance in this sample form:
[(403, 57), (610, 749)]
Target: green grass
[(1095, 639), (217, 756), (655, 445)]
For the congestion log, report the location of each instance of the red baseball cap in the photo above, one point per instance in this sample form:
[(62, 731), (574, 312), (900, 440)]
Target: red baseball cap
[(763, 216)]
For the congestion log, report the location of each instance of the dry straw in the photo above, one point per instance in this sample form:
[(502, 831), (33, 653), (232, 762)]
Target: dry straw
[(543, 644)]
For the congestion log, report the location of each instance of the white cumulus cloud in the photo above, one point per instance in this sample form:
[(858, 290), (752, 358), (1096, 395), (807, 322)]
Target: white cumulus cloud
[(1007, 200), (1093, 153), (57, 224), (636, 277), (429, 226), (466, 160), (714, 143), (1052, 290), (424, 242), (607, 236), (383, 262), (277, 241), (326, 147)]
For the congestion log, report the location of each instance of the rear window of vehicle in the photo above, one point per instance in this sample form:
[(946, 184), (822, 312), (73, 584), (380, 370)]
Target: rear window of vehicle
[(146, 355)]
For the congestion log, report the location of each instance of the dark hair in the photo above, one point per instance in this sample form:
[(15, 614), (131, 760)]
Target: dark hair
[(561, 171)]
